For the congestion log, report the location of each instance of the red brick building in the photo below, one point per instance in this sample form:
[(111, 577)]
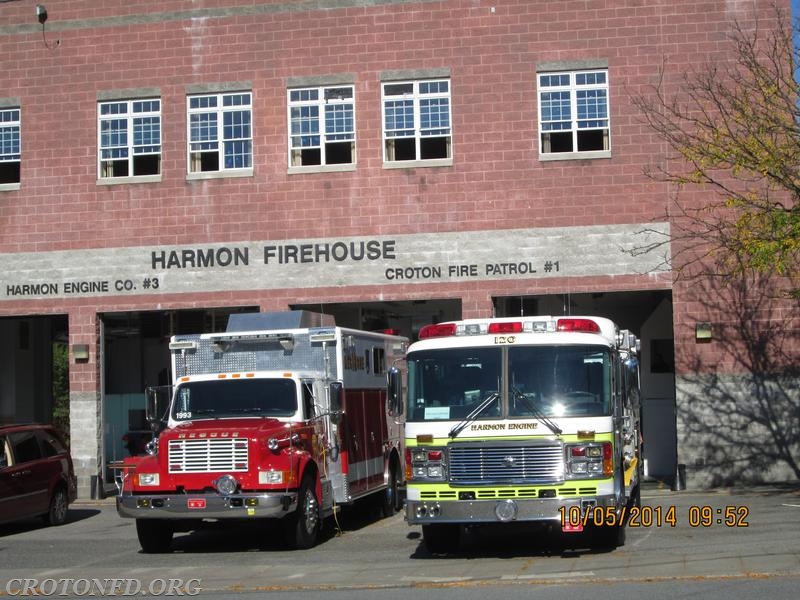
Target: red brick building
[(392, 162)]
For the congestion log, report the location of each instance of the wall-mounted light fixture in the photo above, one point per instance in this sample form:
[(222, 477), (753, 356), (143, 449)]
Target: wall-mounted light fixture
[(41, 16), (703, 331), (80, 352)]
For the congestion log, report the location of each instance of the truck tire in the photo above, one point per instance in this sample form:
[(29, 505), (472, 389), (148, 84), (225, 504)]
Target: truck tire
[(57, 512), (155, 535), (442, 539), (389, 495), (302, 527), (608, 537)]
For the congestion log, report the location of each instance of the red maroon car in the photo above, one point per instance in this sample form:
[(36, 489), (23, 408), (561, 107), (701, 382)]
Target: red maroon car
[(36, 474)]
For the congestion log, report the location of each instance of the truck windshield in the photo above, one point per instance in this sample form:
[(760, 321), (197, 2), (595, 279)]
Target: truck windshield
[(450, 384), (559, 381), (235, 398), (540, 381)]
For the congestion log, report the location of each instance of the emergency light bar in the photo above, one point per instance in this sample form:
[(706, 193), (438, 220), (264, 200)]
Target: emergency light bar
[(322, 335), (224, 341), (581, 325), (183, 345), (249, 337), (505, 327)]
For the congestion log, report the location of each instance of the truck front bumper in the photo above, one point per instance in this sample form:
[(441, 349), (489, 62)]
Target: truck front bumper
[(429, 512), (206, 506)]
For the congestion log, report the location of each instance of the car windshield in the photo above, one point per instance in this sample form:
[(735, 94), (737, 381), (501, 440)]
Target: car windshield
[(540, 381), (235, 397)]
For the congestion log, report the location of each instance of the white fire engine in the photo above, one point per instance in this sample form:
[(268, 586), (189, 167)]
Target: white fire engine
[(529, 419), (283, 416)]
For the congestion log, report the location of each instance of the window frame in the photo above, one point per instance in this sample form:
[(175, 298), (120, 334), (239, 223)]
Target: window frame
[(575, 90), (321, 102), (12, 155), (416, 97), (131, 149), (219, 110)]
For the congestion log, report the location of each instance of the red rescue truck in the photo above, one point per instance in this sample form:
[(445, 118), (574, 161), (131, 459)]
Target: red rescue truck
[(284, 416)]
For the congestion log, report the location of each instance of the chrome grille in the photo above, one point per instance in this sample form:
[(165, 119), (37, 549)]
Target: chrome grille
[(207, 455), (506, 463)]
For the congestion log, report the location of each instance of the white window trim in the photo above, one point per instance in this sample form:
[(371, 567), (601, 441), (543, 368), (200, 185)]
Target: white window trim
[(416, 96), (320, 102), (222, 172), (129, 117), (573, 88), (18, 124)]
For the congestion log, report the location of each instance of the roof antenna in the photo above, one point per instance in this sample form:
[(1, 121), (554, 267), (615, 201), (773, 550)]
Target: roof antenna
[(41, 15)]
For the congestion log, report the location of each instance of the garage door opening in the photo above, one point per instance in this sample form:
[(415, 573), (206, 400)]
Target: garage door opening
[(649, 315), (404, 317), (135, 356)]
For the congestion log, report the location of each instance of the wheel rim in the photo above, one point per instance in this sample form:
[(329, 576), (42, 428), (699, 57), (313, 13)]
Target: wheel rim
[(59, 506), (310, 511), (391, 490)]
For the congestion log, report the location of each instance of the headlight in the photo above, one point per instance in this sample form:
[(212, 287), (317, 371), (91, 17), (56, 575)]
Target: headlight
[(428, 463), (150, 479), (270, 477), (226, 485), (593, 459)]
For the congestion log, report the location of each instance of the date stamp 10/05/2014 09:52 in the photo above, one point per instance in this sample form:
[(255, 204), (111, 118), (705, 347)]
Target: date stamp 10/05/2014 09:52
[(655, 516)]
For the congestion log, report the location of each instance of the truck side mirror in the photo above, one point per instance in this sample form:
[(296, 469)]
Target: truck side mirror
[(336, 397), (156, 405), (394, 395), (151, 399)]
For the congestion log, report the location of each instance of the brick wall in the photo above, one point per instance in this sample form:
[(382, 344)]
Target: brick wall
[(496, 180)]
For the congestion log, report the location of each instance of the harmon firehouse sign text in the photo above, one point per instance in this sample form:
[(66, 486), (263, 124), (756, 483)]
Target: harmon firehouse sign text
[(379, 260)]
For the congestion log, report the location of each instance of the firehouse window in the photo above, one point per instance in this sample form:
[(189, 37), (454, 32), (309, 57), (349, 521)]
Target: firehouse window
[(573, 114), (416, 121), (130, 138), (321, 126), (220, 132), (9, 145)]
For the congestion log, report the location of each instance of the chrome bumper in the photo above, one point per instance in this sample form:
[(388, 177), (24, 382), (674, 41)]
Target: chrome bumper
[(206, 506), (426, 512)]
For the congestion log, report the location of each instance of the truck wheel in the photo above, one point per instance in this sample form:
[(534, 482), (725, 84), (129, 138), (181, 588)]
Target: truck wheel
[(302, 527), (389, 495), (607, 537), (442, 539), (57, 513), (155, 535)]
